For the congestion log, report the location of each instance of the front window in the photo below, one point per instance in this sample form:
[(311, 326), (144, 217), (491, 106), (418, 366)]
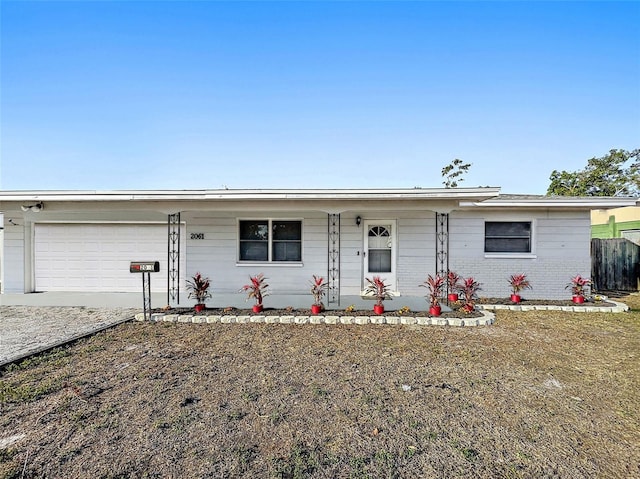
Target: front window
[(507, 237), (270, 240)]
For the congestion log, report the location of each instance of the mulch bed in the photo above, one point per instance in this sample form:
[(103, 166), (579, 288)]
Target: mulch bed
[(455, 313), (546, 302)]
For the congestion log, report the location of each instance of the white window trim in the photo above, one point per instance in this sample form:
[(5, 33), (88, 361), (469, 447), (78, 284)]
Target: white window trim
[(269, 263), (516, 255)]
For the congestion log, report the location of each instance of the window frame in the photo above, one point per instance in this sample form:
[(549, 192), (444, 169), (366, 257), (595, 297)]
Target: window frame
[(511, 254), (270, 242)]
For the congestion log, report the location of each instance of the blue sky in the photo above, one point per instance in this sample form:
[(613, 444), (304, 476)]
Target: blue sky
[(153, 95)]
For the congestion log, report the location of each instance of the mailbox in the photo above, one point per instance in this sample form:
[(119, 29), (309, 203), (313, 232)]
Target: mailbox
[(144, 267)]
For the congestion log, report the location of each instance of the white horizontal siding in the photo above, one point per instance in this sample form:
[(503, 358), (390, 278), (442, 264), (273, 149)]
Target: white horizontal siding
[(216, 255), (13, 256)]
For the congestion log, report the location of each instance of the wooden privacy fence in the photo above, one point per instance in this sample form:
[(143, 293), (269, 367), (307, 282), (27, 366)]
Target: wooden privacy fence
[(615, 264)]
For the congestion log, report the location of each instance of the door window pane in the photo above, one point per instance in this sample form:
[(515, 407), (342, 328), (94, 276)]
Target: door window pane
[(379, 261)]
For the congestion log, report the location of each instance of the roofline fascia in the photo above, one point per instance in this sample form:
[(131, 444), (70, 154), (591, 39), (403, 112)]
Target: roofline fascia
[(280, 194), (555, 202)]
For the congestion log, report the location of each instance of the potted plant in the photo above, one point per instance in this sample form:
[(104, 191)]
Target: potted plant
[(518, 282), (257, 289), (379, 290), (453, 284), (578, 285), (469, 288), (435, 286), (318, 290), (198, 287)]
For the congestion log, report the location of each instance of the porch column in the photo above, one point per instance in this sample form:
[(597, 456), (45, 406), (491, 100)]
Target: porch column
[(173, 259), (442, 244), (333, 273)]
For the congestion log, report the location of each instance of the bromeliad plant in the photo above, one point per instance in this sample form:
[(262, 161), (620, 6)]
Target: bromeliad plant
[(198, 287), (435, 285), (578, 286), (379, 290), (318, 289), (469, 288), (453, 284), (518, 282), (257, 289)]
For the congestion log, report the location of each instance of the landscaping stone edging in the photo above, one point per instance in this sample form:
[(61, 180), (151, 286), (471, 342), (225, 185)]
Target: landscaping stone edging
[(584, 308), (487, 319)]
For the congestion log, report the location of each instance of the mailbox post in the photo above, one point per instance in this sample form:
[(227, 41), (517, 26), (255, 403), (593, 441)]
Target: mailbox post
[(145, 267)]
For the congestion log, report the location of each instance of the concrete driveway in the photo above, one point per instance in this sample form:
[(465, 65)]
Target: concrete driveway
[(26, 330)]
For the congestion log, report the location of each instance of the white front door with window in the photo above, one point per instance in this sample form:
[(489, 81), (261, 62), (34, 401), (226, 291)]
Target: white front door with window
[(380, 251)]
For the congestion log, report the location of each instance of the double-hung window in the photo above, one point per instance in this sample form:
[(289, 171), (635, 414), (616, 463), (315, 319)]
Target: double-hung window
[(270, 240), (507, 237)]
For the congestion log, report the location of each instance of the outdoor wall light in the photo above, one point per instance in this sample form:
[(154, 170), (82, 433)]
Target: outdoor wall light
[(35, 208), (358, 221)]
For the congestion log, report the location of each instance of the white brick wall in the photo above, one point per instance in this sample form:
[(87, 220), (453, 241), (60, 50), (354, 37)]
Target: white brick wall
[(561, 249)]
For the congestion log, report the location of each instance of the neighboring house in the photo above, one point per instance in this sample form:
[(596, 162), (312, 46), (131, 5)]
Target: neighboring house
[(616, 223), (83, 241)]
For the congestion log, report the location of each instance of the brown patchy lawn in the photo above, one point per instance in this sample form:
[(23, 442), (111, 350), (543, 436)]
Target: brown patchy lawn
[(538, 394)]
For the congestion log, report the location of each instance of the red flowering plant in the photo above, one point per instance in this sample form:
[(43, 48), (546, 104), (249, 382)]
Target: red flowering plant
[(378, 289), (198, 287), (453, 281), (318, 289), (257, 288), (469, 289), (435, 285), (519, 282), (578, 285)]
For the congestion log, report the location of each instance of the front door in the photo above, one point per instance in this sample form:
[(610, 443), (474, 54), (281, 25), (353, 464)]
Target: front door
[(380, 251)]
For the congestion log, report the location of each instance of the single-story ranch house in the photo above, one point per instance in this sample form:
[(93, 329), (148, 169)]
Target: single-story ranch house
[(83, 241)]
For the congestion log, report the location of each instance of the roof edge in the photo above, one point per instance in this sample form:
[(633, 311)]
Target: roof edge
[(476, 194)]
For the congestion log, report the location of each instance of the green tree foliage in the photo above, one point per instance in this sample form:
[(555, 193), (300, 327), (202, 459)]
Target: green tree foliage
[(614, 174), (452, 173)]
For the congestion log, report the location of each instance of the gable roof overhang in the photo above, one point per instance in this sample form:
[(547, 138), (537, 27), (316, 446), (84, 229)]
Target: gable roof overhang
[(328, 200), (582, 203)]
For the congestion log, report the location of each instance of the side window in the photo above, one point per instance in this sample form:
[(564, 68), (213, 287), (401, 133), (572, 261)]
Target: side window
[(507, 237)]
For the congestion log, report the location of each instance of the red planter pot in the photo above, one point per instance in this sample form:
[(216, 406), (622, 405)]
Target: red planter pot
[(435, 310), (578, 299), (378, 308), (257, 308), (199, 307), (453, 297), (316, 308), (516, 298)]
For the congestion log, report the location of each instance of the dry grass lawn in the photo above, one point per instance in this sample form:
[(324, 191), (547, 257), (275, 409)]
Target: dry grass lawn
[(538, 394)]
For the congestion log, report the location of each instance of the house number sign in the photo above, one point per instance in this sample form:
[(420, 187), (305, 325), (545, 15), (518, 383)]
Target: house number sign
[(197, 236)]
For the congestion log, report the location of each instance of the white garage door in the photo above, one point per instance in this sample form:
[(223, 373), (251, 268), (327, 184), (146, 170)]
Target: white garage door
[(96, 257)]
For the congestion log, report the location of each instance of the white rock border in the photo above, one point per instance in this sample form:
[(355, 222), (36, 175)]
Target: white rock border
[(586, 308), (487, 319)]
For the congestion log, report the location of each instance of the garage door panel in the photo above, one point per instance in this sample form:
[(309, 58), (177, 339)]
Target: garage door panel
[(96, 257)]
